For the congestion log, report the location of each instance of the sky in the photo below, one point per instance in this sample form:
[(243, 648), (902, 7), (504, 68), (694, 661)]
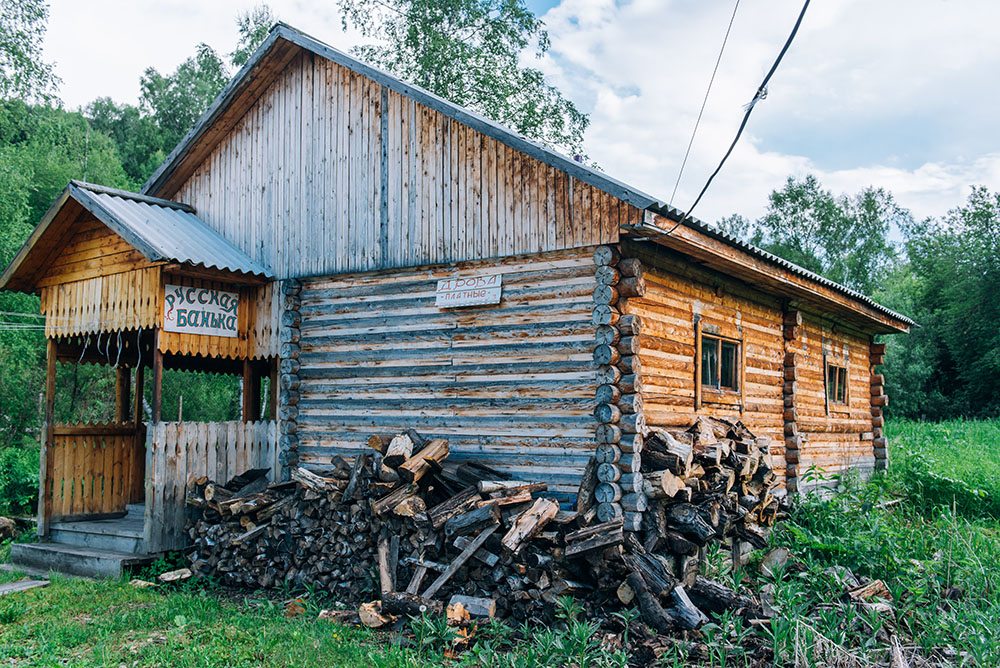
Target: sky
[(899, 94)]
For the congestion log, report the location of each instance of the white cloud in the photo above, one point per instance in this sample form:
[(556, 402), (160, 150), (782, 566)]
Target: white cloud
[(889, 94)]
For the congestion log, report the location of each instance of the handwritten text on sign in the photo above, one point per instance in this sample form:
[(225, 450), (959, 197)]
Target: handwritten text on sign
[(469, 291), (200, 311)]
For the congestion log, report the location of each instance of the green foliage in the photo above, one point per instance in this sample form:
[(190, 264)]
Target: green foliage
[(18, 480), (937, 563), (843, 238), (956, 278), (23, 73), (253, 26), (175, 101), (470, 52), (952, 464)]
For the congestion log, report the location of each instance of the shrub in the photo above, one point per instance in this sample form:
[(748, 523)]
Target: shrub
[(18, 480)]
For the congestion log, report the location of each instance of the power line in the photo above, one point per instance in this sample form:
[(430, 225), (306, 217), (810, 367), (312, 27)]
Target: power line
[(760, 95), (701, 111)]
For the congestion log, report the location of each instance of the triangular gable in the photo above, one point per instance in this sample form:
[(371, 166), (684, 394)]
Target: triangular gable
[(159, 230)]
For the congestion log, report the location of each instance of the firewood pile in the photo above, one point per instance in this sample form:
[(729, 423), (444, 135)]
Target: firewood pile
[(401, 530)]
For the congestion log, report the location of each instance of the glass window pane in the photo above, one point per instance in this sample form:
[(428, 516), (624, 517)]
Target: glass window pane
[(709, 361), (842, 385), (730, 366)]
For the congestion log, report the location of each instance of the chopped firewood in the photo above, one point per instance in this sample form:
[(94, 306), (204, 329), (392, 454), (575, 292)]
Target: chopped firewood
[(472, 520), (175, 576), (475, 606), (469, 550), (594, 537), (314, 482), (482, 554), (457, 615), (393, 499), (372, 616), (400, 449), (414, 468), (409, 605), (530, 523)]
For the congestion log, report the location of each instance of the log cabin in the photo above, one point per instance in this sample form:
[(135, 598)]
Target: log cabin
[(387, 260)]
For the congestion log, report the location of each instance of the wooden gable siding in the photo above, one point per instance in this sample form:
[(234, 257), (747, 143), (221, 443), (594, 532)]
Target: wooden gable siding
[(330, 172), (834, 438), (91, 250), (511, 386), (676, 295), (128, 300)]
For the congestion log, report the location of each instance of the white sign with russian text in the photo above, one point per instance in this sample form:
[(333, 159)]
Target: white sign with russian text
[(190, 310), (469, 291)]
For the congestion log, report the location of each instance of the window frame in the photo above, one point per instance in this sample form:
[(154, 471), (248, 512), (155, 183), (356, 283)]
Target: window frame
[(840, 368), (711, 394)]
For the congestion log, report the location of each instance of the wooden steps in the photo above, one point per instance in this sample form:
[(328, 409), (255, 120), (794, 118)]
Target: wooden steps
[(92, 548), (74, 560)]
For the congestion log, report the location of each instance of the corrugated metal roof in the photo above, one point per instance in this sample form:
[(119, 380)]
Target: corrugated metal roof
[(163, 230)]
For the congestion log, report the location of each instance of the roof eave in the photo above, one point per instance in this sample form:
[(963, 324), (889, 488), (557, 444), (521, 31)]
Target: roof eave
[(879, 318)]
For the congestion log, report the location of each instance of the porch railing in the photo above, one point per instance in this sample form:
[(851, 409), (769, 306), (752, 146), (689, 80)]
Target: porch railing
[(91, 470), (177, 452)]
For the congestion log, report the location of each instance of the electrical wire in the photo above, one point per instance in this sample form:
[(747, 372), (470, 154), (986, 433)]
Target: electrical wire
[(704, 102), (760, 95)]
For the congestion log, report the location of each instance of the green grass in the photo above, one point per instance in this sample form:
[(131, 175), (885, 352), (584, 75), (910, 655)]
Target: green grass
[(929, 529), (87, 623)]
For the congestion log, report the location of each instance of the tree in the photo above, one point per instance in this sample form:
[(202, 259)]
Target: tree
[(41, 149), (138, 139), (176, 101), (469, 52), (844, 238), (253, 26), (23, 73), (956, 269)]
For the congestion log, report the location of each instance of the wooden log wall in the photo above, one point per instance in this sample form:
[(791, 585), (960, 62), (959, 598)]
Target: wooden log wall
[(330, 172), (288, 376), (509, 385), (680, 301), (879, 400), (619, 412), (833, 438), (793, 441), (89, 470), (176, 452)]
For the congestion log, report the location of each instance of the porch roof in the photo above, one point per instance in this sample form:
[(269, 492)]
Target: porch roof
[(162, 230)]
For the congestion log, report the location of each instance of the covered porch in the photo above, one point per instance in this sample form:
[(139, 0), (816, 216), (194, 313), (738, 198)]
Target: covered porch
[(142, 288)]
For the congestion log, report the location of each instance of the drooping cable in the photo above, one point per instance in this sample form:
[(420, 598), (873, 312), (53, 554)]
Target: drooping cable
[(758, 96), (704, 102)]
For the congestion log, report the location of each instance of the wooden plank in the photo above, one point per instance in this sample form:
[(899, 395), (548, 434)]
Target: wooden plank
[(21, 585)]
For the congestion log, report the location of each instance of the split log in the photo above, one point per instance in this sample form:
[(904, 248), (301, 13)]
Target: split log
[(530, 523), (472, 520), (409, 605), (414, 468)]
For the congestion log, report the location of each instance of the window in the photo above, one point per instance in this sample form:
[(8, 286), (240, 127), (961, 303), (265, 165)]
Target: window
[(720, 363), (836, 384)]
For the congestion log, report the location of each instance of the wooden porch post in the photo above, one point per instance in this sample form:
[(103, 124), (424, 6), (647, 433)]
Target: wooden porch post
[(44, 484), (251, 392), (123, 379), (157, 378), (272, 391), (138, 482)]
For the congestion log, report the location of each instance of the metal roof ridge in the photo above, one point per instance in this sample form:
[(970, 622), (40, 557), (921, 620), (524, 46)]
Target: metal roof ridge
[(127, 194)]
